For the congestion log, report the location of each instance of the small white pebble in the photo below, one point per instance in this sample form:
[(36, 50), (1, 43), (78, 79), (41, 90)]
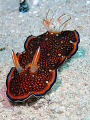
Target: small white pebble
[(88, 2), (35, 2), (12, 31), (76, 19)]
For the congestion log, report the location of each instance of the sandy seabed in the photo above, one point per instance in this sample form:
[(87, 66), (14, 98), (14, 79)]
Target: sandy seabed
[(69, 98)]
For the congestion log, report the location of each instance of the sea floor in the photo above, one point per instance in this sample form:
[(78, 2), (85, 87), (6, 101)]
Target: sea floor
[(69, 98)]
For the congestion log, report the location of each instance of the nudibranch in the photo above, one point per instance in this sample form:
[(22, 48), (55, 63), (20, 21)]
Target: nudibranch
[(30, 79), (35, 69)]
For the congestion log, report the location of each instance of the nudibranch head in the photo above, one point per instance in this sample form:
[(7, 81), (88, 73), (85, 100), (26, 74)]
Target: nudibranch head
[(22, 86), (33, 79), (55, 25)]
